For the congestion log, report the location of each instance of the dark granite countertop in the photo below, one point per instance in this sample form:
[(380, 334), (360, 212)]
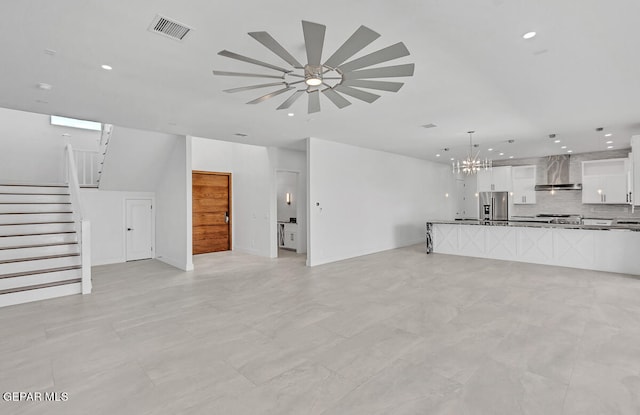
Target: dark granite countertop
[(525, 224)]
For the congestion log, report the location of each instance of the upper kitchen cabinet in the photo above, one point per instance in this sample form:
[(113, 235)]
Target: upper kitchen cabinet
[(496, 179), (635, 174), (606, 181), (524, 184)]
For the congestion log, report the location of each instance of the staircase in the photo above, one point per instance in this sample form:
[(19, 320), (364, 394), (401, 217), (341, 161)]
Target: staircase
[(39, 244)]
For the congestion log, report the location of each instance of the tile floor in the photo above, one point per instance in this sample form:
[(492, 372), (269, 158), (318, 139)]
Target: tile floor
[(394, 333)]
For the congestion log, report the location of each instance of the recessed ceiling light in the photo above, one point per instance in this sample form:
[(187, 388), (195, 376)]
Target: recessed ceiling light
[(291, 114), (437, 155), (510, 157), (609, 142), (502, 154), (529, 35), (556, 141), (50, 52), (489, 149), (569, 151), (609, 147), (106, 67), (46, 87), (563, 147), (452, 159), (608, 135)]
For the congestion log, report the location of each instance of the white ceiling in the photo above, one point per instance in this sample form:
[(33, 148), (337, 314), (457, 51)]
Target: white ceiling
[(473, 71)]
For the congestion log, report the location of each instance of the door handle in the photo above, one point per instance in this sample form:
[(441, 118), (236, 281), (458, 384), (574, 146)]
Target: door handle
[(226, 217), (129, 229)]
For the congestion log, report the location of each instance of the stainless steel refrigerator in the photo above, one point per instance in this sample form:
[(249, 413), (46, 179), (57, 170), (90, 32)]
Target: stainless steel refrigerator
[(494, 205)]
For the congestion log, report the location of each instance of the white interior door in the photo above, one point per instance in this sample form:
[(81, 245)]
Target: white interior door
[(139, 229)]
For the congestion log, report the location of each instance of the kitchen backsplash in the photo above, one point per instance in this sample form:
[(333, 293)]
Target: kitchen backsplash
[(569, 201)]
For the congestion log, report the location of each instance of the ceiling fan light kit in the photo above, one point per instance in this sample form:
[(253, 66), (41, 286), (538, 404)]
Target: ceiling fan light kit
[(334, 78)]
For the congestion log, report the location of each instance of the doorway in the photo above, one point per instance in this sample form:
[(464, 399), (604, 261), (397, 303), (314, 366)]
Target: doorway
[(211, 212), (287, 195), (140, 229)]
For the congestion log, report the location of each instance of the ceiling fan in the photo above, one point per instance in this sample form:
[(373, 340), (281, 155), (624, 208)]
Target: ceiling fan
[(334, 77)]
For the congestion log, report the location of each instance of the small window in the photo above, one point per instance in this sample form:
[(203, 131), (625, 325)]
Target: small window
[(74, 123)]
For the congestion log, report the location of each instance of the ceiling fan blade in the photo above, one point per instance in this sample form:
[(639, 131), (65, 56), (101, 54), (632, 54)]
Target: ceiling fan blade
[(271, 95), (313, 41), (314, 101), (293, 98), (232, 55), (389, 53), (270, 43), (384, 72), (356, 93), (380, 85), (358, 41), (247, 88), (336, 98), (251, 75)]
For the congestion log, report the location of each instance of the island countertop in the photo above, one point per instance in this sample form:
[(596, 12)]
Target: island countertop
[(577, 246), (532, 224)]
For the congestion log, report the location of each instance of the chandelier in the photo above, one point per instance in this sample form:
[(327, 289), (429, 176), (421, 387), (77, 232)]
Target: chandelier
[(473, 163)]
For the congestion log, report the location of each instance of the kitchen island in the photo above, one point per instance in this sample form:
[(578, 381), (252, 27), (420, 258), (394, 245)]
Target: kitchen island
[(605, 248)]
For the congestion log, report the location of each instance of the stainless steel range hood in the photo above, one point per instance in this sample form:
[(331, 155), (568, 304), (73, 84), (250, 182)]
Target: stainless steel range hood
[(558, 175)]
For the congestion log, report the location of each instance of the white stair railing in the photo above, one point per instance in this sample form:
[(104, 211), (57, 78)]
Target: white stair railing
[(107, 130), (89, 162), (83, 227)]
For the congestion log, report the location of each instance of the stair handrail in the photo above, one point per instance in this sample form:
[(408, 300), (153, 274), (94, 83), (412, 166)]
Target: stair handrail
[(74, 184), (83, 227), (107, 131)]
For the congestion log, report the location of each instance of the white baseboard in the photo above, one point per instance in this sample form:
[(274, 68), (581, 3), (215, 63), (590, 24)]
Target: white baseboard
[(176, 263)]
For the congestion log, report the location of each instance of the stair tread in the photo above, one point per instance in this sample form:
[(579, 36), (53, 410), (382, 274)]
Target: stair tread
[(37, 233), (37, 258), (36, 223), (42, 271), (35, 194), (34, 213), (39, 286), (33, 185), (37, 245), (35, 203)]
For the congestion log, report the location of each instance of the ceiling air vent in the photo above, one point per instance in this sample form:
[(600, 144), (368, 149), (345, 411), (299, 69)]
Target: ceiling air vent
[(430, 125), (169, 28)]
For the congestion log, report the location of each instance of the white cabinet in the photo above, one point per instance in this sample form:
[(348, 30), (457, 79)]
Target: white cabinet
[(496, 179), (635, 171), (289, 236), (524, 185), (606, 181), (484, 181)]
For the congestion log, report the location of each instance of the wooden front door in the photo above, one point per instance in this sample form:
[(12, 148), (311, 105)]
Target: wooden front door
[(211, 212)]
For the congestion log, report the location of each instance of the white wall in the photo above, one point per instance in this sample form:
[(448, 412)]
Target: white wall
[(370, 201), (252, 181), (33, 149), (135, 159), (173, 214), (106, 211), (295, 161), (287, 182)]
